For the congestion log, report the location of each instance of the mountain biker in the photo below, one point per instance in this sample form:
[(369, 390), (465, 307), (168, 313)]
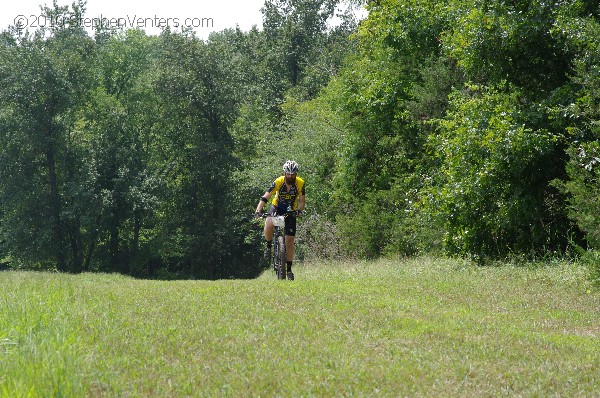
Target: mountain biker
[(289, 195)]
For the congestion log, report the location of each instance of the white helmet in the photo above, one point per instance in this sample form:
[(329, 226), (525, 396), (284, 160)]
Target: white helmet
[(290, 167)]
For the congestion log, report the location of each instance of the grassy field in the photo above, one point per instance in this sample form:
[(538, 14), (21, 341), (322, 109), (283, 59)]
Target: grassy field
[(388, 328)]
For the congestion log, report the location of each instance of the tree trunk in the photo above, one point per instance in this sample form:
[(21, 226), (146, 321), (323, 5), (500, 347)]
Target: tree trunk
[(114, 246), (92, 247), (57, 229), (75, 224), (76, 246), (137, 225)]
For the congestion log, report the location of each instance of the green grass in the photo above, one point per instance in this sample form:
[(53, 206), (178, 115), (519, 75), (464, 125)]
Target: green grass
[(388, 328)]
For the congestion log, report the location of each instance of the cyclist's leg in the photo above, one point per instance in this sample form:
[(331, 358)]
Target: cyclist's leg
[(269, 224), (290, 235), (289, 247), (289, 254), (268, 229), (269, 234)]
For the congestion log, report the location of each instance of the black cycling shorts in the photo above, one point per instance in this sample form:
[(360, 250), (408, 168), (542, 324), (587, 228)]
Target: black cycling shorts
[(290, 220)]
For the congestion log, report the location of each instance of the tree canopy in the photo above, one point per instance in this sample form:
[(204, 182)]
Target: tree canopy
[(465, 127)]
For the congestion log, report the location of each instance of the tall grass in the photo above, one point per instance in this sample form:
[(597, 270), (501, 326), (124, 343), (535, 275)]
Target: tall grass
[(387, 328)]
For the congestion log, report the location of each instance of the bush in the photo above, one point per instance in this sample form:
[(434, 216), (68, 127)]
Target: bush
[(496, 169), (584, 187), (361, 230), (388, 222), (591, 258), (317, 238)]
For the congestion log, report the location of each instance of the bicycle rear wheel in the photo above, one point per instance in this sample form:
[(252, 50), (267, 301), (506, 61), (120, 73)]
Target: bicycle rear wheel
[(280, 260)]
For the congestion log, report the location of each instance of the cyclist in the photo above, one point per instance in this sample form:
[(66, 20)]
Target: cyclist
[(289, 194)]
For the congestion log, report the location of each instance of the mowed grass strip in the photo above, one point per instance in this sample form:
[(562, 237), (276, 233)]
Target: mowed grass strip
[(420, 327)]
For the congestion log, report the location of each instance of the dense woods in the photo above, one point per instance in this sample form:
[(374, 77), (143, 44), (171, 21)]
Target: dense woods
[(457, 127)]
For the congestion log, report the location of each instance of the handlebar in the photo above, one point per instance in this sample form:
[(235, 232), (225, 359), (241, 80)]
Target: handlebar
[(295, 213)]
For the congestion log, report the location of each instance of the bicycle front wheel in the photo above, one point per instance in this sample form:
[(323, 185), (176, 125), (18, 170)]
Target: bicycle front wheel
[(281, 266)]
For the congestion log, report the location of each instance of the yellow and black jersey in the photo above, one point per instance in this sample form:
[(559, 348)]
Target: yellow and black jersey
[(284, 198)]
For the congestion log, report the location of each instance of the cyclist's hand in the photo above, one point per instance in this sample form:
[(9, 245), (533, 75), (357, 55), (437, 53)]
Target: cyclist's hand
[(258, 214), (298, 213)]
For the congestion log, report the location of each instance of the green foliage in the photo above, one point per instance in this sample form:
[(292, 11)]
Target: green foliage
[(515, 41), (387, 223), (45, 83), (295, 29), (198, 93), (489, 84), (591, 258), (381, 98), (363, 230), (584, 189), (124, 149), (427, 122), (117, 130), (579, 24), (495, 172)]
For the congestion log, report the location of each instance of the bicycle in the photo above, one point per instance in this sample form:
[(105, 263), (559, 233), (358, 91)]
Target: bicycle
[(278, 256)]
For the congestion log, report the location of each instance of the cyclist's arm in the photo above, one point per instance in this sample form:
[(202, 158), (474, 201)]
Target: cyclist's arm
[(301, 202), (302, 197), (263, 201)]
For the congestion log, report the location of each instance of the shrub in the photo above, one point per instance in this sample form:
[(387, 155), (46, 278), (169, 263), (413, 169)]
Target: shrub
[(496, 168), (584, 187)]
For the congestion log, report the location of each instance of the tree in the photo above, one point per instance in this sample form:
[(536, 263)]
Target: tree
[(579, 24), (382, 153), (120, 120), (516, 59), (295, 30), (44, 79), (198, 92), (496, 41), (496, 173)]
